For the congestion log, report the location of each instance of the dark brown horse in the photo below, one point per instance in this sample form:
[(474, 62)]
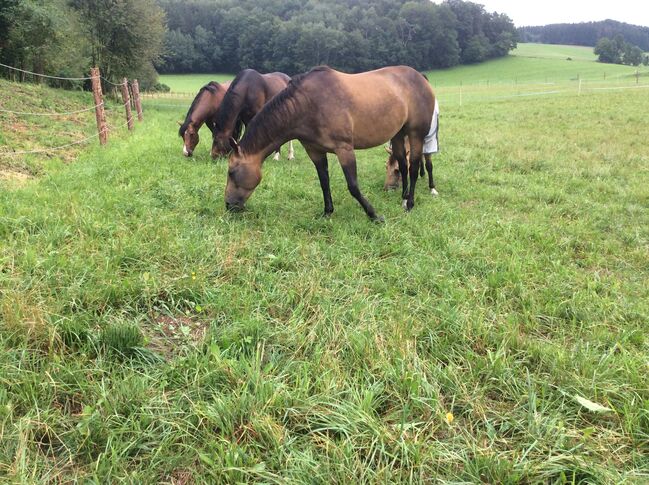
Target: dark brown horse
[(202, 110), (332, 112), (247, 95)]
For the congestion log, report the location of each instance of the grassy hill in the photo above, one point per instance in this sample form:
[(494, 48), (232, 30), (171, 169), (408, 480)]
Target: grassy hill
[(20, 132), (536, 63), (146, 335), (528, 63)]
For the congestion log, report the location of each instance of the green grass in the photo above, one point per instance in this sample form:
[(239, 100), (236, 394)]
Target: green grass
[(554, 51), (529, 63), (19, 133), (148, 336), (191, 83), (536, 63)]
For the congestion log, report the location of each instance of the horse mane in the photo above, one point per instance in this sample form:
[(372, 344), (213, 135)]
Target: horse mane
[(228, 104), (276, 113), (211, 87)]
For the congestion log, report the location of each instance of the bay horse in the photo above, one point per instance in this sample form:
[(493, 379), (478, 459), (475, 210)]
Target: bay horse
[(332, 112), (202, 111), (246, 97)]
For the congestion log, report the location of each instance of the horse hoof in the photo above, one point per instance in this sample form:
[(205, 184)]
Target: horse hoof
[(378, 219), (434, 192), (404, 204)]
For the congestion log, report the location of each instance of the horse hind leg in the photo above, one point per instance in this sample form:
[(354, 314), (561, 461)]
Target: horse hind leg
[(429, 169), (416, 147), (399, 153), (291, 152)]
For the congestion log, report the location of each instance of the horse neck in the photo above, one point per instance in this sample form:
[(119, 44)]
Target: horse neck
[(203, 111), (230, 109), (270, 131)]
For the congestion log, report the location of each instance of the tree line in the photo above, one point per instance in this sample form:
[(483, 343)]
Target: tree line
[(352, 35), (139, 38), (586, 33), (66, 37), (618, 51)]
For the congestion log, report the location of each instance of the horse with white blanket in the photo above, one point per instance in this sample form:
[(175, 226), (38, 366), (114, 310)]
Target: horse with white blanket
[(431, 145)]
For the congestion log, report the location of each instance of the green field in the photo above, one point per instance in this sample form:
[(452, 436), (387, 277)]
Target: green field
[(146, 335), (191, 83), (553, 51), (529, 63)]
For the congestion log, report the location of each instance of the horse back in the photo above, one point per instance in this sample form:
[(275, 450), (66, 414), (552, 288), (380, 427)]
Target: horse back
[(379, 104)]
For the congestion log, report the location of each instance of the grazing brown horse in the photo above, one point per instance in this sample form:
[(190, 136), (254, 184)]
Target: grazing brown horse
[(202, 110), (393, 176), (247, 95), (332, 112)]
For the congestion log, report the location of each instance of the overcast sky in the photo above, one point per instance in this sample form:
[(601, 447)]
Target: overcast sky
[(542, 12)]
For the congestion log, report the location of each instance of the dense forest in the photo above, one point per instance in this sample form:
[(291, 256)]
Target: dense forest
[(586, 33), (138, 38), (351, 35)]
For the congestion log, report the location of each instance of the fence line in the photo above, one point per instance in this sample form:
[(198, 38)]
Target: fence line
[(53, 113), (98, 107), (66, 113), (639, 86), (56, 148), (45, 75), (462, 93)]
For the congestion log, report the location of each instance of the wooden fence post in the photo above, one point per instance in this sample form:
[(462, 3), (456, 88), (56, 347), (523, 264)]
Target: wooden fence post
[(136, 96), (100, 114), (127, 104)]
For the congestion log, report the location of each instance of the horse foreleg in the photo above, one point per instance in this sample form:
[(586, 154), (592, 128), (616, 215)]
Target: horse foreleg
[(291, 152), (276, 156), (429, 169), (322, 167), (347, 160)]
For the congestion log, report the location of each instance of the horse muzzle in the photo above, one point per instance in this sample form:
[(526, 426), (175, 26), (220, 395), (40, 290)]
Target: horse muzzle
[(234, 206)]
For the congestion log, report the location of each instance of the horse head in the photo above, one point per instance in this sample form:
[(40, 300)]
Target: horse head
[(189, 134), (244, 174)]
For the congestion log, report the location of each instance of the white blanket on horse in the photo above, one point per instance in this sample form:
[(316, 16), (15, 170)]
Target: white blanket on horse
[(431, 143)]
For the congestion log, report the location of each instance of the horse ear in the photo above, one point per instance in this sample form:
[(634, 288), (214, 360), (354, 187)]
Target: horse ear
[(234, 145), (180, 123)]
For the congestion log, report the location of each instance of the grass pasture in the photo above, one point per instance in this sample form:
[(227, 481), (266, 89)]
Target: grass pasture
[(191, 83), (148, 336), (530, 63)]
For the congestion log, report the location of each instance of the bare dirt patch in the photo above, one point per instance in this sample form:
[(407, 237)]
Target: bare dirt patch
[(14, 176), (169, 335)]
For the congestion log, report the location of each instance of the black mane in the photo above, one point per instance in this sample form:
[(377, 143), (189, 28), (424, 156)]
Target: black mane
[(212, 87), (227, 105), (280, 109)]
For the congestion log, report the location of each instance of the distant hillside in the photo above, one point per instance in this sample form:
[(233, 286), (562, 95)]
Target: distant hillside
[(585, 33)]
